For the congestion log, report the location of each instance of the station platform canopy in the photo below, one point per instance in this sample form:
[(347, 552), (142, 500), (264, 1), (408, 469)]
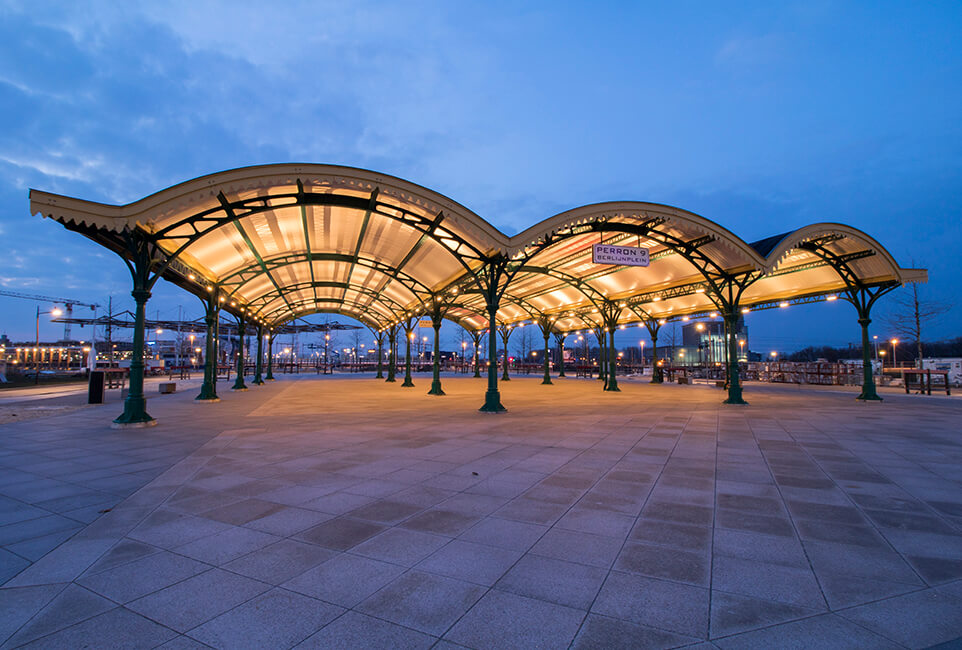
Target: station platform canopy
[(283, 241)]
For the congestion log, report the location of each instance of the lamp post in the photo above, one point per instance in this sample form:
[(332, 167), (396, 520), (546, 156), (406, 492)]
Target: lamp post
[(894, 342), (36, 351), (641, 344), (882, 368), (327, 339), (741, 349)]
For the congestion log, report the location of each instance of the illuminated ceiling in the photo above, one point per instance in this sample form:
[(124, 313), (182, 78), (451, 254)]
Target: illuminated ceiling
[(284, 241)]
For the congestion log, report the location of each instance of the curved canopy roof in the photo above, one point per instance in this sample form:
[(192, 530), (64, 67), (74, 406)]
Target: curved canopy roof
[(283, 241)]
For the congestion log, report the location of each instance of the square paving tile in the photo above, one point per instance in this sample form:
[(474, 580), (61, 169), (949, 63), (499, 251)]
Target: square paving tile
[(556, 581), (529, 623), (196, 600), (603, 632), (665, 562), (400, 546), (279, 562), (422, 601), (278, 619), (584, 548), (345, 579), (119, 628), (504, 533), (132, 580), (477, 563), (354, 630), (656, 603), (340, 534)]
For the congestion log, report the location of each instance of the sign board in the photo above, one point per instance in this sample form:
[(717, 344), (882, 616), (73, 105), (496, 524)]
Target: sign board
[(425, 323), (621, 255)]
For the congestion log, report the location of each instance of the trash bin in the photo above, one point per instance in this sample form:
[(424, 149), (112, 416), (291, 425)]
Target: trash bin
[(95, 390)]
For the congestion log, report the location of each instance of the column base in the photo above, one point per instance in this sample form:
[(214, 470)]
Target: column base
[(492, 403), (133, 425), (258, 382), (546, 381), (871, 397), (735, 400), (407, 384), (612, 389), (435, 391), (206, 400)]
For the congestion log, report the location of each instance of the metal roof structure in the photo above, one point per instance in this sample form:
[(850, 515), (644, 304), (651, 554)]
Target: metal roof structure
[(272, 243)]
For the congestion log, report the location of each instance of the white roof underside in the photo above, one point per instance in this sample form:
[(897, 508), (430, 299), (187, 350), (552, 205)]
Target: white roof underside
[(385, 246)]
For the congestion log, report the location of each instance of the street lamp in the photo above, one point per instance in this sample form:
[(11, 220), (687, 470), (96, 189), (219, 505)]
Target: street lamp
[(774, 355), (882, 369), (741, 348), (894, 342), (642, 345), (36, 351)]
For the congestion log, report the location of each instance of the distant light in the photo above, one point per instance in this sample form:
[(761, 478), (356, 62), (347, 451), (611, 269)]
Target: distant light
[(714, 314), (685, 318)]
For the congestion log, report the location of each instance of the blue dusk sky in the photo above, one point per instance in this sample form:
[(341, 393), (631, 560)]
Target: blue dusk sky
[(761, 116)]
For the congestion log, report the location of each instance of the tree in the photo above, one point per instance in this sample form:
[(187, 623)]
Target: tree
[(525, 340), (910, 312)]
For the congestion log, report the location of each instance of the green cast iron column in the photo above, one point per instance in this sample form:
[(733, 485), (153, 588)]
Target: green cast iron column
[(270, 357), (208, 391), (380, 356), (241, 330), (547, 359), (407, 359), (436, 380), (602, 356), (392, 355), (560, 340), (505, 334), (258, 367), (477, 360), (612, 383), (869, 392), (657, 374), (492, 397), (135, 406), (734, 386)]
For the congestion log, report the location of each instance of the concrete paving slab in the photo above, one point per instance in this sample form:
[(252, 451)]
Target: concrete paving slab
[(574, 501)]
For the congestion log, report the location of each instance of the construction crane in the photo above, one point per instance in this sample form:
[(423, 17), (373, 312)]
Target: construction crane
[(67, 303)]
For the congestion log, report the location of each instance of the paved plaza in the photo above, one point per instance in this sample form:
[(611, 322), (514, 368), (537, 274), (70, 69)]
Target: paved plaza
[(344, 512)]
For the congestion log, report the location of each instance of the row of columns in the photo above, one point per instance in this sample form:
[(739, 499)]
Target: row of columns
[(141, 262)]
